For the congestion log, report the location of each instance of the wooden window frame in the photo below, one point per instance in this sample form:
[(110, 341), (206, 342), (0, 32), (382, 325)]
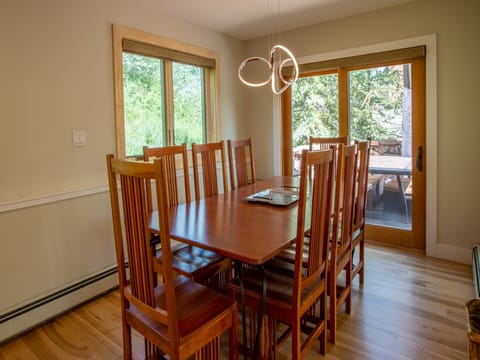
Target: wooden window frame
[(341, 66), (144, 43)]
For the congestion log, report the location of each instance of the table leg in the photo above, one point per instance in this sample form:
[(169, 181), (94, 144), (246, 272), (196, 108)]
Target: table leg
[(238, 270), (404, 199), (256, 345)]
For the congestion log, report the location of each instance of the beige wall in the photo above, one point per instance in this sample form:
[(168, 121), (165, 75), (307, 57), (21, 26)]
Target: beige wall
[(57, 76), (453, 220)]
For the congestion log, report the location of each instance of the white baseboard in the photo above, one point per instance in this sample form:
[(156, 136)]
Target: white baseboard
[(38, 315), (449, 252)]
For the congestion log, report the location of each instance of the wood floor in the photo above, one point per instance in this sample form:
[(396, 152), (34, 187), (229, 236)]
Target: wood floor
[(410, 307)]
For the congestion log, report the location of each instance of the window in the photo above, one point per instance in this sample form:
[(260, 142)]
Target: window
[(165, 92), (143, 102)]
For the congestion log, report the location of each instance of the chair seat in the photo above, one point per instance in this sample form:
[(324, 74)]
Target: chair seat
[(279, 277), (288, 254), (196, 305), (195, 263)]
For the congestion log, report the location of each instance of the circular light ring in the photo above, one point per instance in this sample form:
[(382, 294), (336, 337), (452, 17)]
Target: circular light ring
[(294, 75), (291, 58), (277, 71), (245, 62), (276, 76)]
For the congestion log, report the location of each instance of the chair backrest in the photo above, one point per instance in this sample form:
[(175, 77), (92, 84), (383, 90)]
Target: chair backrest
[(240, 154), (363, 156), (313, 212), (342, 219), (139, 291), (324, 143), (170, 154), (208, 156)]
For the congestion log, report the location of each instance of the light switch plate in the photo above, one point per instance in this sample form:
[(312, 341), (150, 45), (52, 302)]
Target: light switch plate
[(79, 138)]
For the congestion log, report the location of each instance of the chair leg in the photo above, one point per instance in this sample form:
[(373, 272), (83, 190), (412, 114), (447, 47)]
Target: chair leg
[(323, 317), (127, 342), (348, 285), (333, 305), (362, 260), (272, 339), (296, 344), (232, 336)]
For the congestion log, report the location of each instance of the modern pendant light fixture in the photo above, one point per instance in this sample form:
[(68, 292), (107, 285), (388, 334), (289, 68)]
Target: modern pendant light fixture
[(276, 64)]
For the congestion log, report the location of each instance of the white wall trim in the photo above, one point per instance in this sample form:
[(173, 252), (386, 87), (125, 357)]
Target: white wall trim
[(6, 206), (452, 253), (23, 323)]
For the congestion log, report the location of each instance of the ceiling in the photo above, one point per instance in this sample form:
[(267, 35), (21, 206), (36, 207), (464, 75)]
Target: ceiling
[(248, 19)]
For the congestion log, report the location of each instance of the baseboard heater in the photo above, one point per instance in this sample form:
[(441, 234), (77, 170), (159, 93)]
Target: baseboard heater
[(476, 269), (56, 295)]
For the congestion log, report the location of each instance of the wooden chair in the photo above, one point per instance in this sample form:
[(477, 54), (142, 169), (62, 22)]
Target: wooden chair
[(208, 166), (341, 235), (179, 317), (240, 154), (296, 293), (324, 143), (358, 228), (288, 254), (206, 267)]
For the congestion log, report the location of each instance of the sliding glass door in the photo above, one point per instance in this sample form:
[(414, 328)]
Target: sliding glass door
[(384, 103)]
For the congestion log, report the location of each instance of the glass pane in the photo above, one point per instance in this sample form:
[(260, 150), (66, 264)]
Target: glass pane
[(380, 108), (314, 112), (143, 102), (188, 103)]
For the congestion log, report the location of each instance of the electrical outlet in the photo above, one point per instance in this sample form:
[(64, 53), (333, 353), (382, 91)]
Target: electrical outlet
[(79, 138)]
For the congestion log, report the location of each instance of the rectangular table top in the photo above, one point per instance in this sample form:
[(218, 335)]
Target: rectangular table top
[(231, 226), (396, 165)]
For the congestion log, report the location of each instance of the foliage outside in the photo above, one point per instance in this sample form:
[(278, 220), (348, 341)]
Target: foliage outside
[(375, 105), (188, 103), (144, 103)]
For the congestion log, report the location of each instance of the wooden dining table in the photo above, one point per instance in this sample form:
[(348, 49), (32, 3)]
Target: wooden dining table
[(230, 225)]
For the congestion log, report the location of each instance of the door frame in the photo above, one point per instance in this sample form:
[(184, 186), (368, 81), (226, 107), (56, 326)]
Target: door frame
[(416, 237)]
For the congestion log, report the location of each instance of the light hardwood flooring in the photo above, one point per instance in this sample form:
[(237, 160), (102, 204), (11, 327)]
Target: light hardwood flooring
[(410, 307)]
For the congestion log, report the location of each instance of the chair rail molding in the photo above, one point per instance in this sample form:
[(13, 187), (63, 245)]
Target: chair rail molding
[(6, 206)]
